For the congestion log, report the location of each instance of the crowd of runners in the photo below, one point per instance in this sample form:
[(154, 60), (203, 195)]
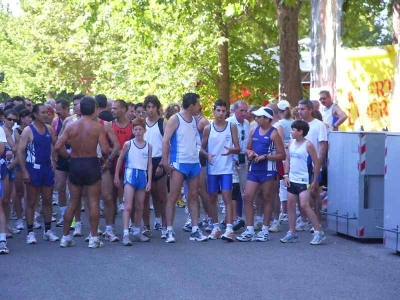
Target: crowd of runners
[(266, 165)]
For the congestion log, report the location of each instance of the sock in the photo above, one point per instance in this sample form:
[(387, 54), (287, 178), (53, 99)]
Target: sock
[(229, 227), (216, 226), (250, 228), (94, 238), (136, 230), (62, 210), (157, 220), (47, 226), (265, 228), (109, 227), (195, 228), (67, 237), (3, 236), (126, 231), (169, 228), (29, 228)]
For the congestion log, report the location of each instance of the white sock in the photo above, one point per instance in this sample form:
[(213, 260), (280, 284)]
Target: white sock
[(265, 228), (229, 227), (109, 227), (67, 237), (195, 228), (157, 220), (250, 228), (126, 231), (62, 210), (169, 228), (216, 226), (3, 236)]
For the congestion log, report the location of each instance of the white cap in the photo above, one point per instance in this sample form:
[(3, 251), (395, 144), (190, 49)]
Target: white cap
[(283, 104), (264, 111)]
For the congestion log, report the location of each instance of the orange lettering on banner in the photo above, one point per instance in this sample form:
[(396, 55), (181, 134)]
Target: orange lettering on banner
[(384, 108)]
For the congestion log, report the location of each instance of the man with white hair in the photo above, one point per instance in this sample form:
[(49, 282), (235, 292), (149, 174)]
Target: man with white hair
[(332, 114)]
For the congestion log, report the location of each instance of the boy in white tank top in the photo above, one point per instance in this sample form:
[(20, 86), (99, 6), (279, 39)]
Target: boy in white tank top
[(220, 141), (296, 179), (137, 181)]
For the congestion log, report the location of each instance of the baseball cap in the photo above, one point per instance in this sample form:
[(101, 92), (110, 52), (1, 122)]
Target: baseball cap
[(283, 104), (265, 112)]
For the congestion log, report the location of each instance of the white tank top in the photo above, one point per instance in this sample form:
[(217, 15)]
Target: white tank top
[(154, 137), (298, 162), (327, 116), (137, 158), (217, 141), (184, 142)]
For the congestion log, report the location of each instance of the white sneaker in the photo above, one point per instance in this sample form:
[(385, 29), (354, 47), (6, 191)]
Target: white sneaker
[(163, 233), (139, 237), (303, 226), (50, 236), (95, 243), (170, 236), (31, 238), (110, 236), (36, 225), (66, 243), (275, 226), (283, 218), (13, 230), (126, 241), (20, 225), (215, 234), (262, 236), (121, 207), (77, 230)]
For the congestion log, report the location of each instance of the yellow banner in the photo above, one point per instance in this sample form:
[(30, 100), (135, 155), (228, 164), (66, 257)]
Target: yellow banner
[(364, 86)]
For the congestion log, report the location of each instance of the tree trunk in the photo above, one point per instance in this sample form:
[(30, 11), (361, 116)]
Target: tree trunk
[(223, 64), (289, 57)]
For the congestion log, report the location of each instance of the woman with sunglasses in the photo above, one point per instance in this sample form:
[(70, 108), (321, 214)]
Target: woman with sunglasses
[(7, 165), (25, 119)]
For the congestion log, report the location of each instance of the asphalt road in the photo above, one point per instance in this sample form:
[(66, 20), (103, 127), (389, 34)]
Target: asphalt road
[(339, 269)]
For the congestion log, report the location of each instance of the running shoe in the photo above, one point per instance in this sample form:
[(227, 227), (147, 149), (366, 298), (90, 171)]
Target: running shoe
[(170, 236), (228, 236), (318, 238), (312, 228), (99, 232), (50, 236), (3, 248), (87, 239), (66, 243), (209, 228), (121, 207), (163, 233), (110, 236), (262, 236), (140, 237), (126, 241), (258, 225), (13, 230), (275, 226), (60, 222), (77, 230), (246, 236), (13, 216), (198, 236), (147, 232), (36, 225), (188, 225), (283, 218), (53, 219), (157, 226), (31, 238), (180, 203), (20, 225), (223, 210), (94, 242), (151, 207), (72, 227), (303, 226), (215, 234), (186, 210), (238, 223), (290, 238)]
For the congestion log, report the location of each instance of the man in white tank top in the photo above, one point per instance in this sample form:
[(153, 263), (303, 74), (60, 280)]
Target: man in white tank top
[(180, 159), (154, 133), (332, 114), (220, 141)]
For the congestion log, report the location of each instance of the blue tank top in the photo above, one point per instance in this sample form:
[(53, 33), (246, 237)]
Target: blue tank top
[(262, 144), (39, 150)]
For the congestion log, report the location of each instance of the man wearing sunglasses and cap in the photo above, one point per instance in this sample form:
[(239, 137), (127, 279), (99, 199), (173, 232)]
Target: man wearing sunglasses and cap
[(240, 168)]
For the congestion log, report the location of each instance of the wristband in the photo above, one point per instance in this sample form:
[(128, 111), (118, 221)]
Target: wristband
[(286, 175)]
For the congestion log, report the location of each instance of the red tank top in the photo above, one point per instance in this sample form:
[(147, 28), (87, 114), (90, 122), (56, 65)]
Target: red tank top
[(123, 134)]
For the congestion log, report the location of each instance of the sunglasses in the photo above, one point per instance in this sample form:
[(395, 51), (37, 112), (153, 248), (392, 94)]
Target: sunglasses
[(242, 132), (12, 120)]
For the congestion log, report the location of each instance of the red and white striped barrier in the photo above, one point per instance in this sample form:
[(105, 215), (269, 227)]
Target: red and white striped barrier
[(362, 150), (386, 150)]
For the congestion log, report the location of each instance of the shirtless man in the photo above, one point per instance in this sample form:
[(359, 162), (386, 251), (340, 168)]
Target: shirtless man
[(84, 135)]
